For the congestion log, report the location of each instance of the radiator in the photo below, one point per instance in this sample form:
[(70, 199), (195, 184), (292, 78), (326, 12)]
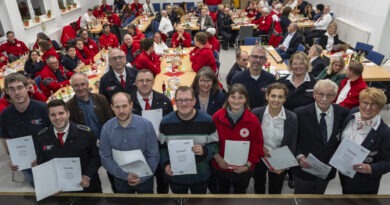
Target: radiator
[(350, 33)]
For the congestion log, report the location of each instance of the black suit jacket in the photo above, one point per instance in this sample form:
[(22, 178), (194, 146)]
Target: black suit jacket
[(378, 142), (159, 101), (290, 127), (295, 41), (234, 70), (323, 40), (317, 66), (310, 139), (80, 142)]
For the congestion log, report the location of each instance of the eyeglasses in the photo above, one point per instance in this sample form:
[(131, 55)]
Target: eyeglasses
[(205, 81), (144, 81), (115, 58), (371, 105), (13, 90), (322, 95), (183, 101), (259, 57)]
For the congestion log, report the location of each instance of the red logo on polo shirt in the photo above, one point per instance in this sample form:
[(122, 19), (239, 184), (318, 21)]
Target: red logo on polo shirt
[(244, 132)]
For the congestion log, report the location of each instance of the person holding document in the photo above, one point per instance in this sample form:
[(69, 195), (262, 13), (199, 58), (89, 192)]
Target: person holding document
[(187, 123), (236, 123), (66, 139), (365, 127), (24, 117), (127, 132), (319, 126), (280, 127)]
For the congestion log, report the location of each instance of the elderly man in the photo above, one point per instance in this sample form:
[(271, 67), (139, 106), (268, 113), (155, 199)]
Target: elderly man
[(317, 64), (130, 47), (54, 76), (255, 79), (205, 21), (127, 132), (135, 33), (181, 38), (224, 25), (290, 41), (319, 126), (108, 40), (263, 23), (119, 78), (165, 27), (87, 19), (13, 47), (241, 64)]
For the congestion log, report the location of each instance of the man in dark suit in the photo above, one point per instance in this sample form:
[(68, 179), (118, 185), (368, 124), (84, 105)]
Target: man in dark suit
[(290, 41), (66, 139), (205, 21), (241, 64), (224, 25), (319, 126), (317, 64)]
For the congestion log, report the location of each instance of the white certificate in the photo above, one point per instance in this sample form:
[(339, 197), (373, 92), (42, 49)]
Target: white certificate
[(236, 152), (132, 161), (281, 158), (22, 151), (317, 168), (182, 157), (59, 174), (155, 117), (347, 154)]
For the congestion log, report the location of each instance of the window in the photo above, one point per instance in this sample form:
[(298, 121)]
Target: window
[(24, 10), (1, 30), (39, 7), (31, 8), (64, 4)]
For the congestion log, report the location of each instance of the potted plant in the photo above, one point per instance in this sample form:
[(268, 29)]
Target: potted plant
[(26, 22), (48, 13), (37, 14), (69, 6), (37, 19), (74, 5), (62, 7)]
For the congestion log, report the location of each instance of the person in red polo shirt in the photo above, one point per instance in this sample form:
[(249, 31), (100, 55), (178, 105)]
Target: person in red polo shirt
[(202, 55), (88, 42), (107, 39), (148, 59), (181, 38), (54, 76), (135, 33), (47, 49), (13, 47), (105, 7), (83, 53), (130, 47)]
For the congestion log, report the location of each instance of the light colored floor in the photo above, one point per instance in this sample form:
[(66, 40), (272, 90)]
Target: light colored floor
[(227, 59)]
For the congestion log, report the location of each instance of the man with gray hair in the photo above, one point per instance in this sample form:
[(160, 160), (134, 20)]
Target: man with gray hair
[(290, 41), (166, 26), (319, 127), (317, 64), (263, 23), (53, 76)]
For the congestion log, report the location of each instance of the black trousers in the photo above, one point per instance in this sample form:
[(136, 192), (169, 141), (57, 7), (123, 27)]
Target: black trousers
[(275, 181), (239, 182)]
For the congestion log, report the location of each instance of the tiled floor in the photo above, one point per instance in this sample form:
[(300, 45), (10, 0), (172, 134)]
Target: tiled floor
[(227, 59)]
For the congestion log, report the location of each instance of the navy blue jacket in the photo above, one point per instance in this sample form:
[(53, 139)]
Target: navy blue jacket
[(216, 101), (233, 71), (317, 66)]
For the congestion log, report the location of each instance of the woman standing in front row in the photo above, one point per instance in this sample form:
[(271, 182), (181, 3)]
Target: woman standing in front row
[(236, 123), (280, 127)]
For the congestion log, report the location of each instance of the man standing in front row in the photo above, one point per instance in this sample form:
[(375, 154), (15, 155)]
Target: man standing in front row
[(66, 139), (189, 123), (128, 132)]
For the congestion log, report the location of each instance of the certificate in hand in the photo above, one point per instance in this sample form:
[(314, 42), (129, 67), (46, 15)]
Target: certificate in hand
[(347, 154), (22, 151), (317, 168), (132, 161), (236, 152), (281, 158), (155, 117), (182, 157), (59, 174)]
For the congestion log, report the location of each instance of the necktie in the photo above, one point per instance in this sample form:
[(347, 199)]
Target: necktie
[(123, 83), (324, 129), (322, 16), (60, 136), (147, 104)]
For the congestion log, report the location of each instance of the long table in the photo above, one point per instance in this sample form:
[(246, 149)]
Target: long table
[(143, 22)]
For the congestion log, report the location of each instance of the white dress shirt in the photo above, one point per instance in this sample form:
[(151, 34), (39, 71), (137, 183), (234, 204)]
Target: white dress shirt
[(117, 75), (159, 48), (323, 22), (357, 130), (85, 20), (165, 25), (273, 129), (329, 118), (66, 132), (330, 42), (286, 42), (291, 77), (142, 101)]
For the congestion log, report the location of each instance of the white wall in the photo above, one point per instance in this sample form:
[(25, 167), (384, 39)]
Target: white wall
[(372, 16)]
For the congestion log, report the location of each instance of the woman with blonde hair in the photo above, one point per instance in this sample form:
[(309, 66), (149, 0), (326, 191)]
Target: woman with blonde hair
[(334, 72)]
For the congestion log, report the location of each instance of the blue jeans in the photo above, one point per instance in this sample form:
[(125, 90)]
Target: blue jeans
[(200, 188), (282, 53), (29, 176), (128, 20), (145, 187)]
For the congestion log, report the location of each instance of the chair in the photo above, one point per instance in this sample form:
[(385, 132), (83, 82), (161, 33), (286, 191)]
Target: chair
[(245, 31), (301, 48), (251, 40), (190, 5), (363, 47), (156, 7), (375, 57)]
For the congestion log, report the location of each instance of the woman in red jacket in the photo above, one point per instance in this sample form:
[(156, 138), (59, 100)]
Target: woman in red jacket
[(202, 55), (148, 59), (83, 53), (234, 122)]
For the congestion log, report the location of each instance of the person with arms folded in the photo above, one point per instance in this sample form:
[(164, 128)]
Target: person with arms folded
[(280, 127), (130, 47), (89, 42), (181, 38)]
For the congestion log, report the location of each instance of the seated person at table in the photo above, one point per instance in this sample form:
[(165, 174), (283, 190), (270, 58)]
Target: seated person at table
[(205, 21), (33, 65), (43, 36), (318, 12), (88, 42), (3, 61), (165, 27), (115, 24), (108, 40), (172, 15), (330, 40), (301, 6), (70, 61), (202, 55), (13, 47), (159, 45), (104, 7), (130, 47), (308, 12), (212, 40), (97, 12), (119, 5), (320, 25), (251, 10), (284, 19), (350, 87), (317, 64), (135, 33), (335, 71), (47, 49), (208, 93), (69, 32), (87, 19), (263, 23), (224, 25), (83, 53), (181, 38), (290, 41), (148, 59), (54, 76)]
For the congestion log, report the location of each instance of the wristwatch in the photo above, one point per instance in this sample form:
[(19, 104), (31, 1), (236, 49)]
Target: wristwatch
[(247, 165)]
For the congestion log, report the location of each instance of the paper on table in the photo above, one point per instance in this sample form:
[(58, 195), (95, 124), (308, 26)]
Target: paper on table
[(236, 152), (22, 151), (347, 154), (281, 158), (317, 168), (68, 173), (132, 161), (182, 157), (155, 117)]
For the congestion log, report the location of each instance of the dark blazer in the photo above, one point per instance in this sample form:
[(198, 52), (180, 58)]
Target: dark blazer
[(208, 22), (295, 41), (317, 66), (310, 139), (378, 142), (290, 127), (323, 40), (284, 22), (80, 142), (216, 101), (234, 70), (159, 101)]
